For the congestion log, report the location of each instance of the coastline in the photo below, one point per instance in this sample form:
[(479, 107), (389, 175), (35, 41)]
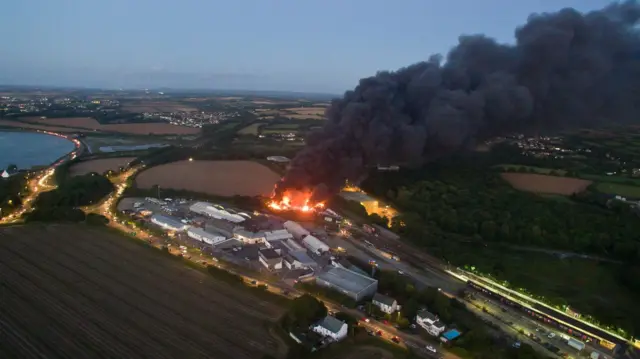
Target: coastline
[(74, 153)]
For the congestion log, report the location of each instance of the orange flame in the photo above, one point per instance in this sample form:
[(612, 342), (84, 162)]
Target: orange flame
[(295, 200)]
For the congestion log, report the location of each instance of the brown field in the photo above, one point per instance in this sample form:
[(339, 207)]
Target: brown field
[(73, 291), (155, 128), (537, 183), (225, 178), (81, 122), (156, 106), (308, 110), (9, 123), (100, 165), (151, 128)]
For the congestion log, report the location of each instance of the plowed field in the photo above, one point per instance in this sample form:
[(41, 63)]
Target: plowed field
[(546, 184), (225, 178), (71, 291)]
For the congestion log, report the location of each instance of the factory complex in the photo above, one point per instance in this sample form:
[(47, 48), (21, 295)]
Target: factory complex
[(252, 239)]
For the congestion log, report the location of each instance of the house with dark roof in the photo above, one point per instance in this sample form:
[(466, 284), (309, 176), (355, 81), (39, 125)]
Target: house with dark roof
[(386, 304), (331, 327)]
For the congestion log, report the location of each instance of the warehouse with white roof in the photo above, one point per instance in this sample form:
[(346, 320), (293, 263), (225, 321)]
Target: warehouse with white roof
[(201, 235), (217, 212), (315, 245), (169, 223)]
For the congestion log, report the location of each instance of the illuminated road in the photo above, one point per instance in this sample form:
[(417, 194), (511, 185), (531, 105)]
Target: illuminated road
[(42, 182)]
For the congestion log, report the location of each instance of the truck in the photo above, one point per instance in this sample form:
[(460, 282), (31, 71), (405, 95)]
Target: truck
[(576, 344)]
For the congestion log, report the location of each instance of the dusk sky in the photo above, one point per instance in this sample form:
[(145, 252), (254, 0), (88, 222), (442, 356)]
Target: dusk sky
[(291, 45)]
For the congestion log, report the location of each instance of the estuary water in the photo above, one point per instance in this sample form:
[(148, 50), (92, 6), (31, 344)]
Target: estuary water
[(28, 149)]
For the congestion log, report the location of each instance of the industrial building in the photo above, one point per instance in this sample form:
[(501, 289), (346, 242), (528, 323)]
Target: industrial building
[(248, 237), (279, 159), (296, 229), (270, 258), (299, 260), (215, 211), (169, 223), (220, 225), (202, 235), (277, 235), (292, 246), (350, 283), (315, 245)]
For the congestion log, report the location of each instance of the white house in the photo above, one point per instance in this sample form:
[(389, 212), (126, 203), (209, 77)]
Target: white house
[(332, 328), (386, 304), (430, 322)]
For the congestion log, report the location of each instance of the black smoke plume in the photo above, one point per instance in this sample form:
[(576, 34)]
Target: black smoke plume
[(566, 70)]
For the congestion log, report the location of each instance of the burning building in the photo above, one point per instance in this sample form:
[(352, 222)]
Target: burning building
[(564, 70), (295, 200)]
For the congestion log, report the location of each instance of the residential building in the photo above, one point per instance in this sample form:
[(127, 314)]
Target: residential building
[(386, 304), (430, 322), (270, 258), (348, 282), (331, 327), (169, 223)]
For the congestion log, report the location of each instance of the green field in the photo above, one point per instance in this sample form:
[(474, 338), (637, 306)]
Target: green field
[(251, 129), (539, 170), (284, 126), (612, 179), (270, 130), (619, 189)]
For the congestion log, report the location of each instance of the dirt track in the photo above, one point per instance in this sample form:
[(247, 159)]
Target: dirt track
[(546, 184), (80, 292), (225, 178)]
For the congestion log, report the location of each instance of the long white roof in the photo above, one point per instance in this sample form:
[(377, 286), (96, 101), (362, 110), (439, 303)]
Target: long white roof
[(211, 210)]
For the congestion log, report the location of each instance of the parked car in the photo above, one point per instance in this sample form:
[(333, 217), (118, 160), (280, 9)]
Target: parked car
[(551, 335), (379, 333), (430, 348), (395, 340)]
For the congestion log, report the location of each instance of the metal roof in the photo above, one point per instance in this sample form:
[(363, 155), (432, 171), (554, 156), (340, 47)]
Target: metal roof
[(383, 299), (332, 324), (269, 254), (346, 279), (169, 221), (302, 257)]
